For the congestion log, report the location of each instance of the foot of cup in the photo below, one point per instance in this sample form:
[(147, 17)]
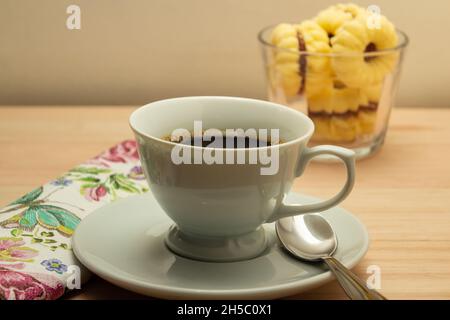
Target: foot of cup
[(216, 249)]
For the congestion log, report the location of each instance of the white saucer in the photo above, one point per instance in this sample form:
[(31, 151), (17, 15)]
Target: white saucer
[(123, 243)]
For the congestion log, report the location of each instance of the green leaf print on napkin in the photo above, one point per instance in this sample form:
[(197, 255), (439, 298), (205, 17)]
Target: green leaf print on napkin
[(39, 212), (98, 186), (90, 170), (29, 197)]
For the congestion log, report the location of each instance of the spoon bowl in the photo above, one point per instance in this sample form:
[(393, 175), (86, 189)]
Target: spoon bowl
[(310, 237)]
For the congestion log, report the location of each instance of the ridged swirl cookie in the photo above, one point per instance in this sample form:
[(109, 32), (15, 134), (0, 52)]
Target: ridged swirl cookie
[(332, 18), (285, 71), (318, 65), (352, 40)]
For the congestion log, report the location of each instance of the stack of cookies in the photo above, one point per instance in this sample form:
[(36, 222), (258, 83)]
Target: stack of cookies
[(338, 61)]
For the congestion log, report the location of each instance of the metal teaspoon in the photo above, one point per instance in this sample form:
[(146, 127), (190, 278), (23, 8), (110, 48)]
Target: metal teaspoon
[(310, 237)]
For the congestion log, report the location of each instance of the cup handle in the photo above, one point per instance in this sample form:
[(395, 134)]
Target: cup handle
[(347, 156)]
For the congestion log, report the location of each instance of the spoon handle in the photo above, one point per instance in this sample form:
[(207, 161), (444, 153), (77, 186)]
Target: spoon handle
[(353, 286)]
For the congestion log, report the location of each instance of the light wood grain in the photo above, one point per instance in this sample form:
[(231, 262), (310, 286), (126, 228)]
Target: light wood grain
[(402, 194)]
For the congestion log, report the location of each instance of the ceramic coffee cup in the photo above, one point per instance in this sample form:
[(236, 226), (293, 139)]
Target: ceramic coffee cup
[(218, 208)]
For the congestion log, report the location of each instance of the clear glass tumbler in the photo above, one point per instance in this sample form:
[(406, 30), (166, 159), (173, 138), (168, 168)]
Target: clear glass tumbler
[(348, 96)]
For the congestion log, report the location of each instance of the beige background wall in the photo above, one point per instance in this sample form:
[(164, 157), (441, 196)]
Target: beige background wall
[(134, 51)]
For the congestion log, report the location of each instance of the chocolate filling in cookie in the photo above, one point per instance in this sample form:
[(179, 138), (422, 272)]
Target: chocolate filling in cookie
[(372, 106), (302, 61)]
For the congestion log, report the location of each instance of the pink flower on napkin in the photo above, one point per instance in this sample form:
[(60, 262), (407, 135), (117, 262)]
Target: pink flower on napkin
[(123, 152), (95, 193), (15, 285), (12, 249)]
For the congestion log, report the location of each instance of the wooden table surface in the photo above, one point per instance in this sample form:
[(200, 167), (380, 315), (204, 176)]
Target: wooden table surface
[(402, 194)]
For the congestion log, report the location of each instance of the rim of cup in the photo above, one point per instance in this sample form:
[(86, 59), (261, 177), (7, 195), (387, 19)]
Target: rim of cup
[(135, 114)]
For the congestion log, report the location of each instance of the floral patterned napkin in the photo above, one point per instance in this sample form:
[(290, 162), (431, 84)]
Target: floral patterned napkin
[(36, 260)]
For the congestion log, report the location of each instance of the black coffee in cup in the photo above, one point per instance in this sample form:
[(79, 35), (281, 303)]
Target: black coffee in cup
[(220, 141)]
